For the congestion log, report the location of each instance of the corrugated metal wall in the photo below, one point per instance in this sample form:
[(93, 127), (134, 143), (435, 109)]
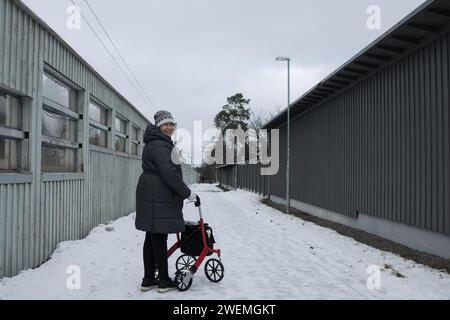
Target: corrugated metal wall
[(380, 148), (190, 175), (36, 215), (17, 224), (248, 178), (125, 179), (64, 214), (226, 176), (112, 188), (101, 186)]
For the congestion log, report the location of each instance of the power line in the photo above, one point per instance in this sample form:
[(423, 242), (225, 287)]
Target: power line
[(118, 52), (110, 54)]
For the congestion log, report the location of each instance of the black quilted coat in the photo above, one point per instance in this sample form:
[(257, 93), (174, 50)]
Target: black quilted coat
[(160, 191)]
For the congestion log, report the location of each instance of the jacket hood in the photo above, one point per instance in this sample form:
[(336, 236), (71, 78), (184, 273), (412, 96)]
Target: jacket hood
[(154, 133)]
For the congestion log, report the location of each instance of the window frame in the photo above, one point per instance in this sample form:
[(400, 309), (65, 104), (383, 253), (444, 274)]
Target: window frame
[(135, 142), (75, 115), (65, 82), (8, 103), (119, 134), (20, 134), (60, 141), (95, 124)]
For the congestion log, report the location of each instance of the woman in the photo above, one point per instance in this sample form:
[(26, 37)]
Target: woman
[(159, 200)]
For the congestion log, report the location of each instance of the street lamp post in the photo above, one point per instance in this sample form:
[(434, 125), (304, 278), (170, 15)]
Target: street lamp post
[(288, 198)]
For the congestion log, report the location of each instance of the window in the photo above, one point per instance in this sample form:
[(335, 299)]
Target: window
[(98, 137), (9, 112), (57, 92), (134, 141), (59, 127), (97, 113), (121, 125), (120, 138), (8, 154), (58, 159), (2, 110), (98, 121), (13, 139)]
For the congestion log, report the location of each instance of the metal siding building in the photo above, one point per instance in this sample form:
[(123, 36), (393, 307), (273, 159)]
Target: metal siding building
[(371, 142), (190, 174), (39, 209)]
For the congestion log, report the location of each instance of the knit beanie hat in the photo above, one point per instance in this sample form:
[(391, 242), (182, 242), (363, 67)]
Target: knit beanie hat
[(162, 117)]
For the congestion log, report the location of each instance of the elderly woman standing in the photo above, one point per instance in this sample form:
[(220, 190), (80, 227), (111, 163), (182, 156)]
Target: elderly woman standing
[(159, 200)]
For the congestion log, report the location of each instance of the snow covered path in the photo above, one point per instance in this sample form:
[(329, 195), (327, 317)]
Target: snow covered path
[(266, 254)]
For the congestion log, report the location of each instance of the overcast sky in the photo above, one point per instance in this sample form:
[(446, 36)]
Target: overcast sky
[(191, 55)]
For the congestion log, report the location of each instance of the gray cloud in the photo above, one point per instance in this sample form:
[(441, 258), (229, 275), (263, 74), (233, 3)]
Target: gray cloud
[(191, 55)]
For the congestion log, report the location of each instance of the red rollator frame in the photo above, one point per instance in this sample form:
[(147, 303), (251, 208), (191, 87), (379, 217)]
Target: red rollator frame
[(214, 269)]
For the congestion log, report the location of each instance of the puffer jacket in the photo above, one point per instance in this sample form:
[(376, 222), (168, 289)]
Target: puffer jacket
[(160, 191)]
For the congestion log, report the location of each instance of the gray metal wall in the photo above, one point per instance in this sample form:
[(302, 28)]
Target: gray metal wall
[(190, 175), (38, 210), (379, 148), (248, 178), (226, 176)]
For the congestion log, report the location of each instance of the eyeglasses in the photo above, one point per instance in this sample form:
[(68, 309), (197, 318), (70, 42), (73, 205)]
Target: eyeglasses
[(169, 124)]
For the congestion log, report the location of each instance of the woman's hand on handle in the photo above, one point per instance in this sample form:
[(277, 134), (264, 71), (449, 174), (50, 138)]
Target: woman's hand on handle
[(194, 197), (197, 201)]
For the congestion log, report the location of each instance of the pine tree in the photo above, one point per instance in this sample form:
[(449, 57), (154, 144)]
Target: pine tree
[(234, 115)]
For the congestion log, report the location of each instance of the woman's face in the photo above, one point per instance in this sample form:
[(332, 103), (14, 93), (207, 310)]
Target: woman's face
[(167, 128)]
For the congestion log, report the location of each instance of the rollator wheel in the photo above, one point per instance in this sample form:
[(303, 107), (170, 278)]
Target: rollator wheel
[(183, 279), (185, 261), (214, 270)]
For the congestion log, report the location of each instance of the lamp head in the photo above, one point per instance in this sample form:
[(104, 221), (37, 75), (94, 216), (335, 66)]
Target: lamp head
[(283, 59)]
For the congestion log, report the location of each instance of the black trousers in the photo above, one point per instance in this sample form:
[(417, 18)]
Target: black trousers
[(155, 255)]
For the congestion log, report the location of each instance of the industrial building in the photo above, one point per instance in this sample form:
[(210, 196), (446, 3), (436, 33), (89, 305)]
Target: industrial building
[(370, 144), (70, 144)]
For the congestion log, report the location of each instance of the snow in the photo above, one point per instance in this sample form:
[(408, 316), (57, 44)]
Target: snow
[(266, 255)]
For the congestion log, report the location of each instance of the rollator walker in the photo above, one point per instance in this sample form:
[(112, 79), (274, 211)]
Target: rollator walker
[(196, 243)]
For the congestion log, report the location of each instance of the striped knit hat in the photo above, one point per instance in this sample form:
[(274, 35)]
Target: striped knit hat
[(162, 117)]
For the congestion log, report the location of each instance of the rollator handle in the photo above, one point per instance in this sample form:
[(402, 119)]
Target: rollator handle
[(197, 201)]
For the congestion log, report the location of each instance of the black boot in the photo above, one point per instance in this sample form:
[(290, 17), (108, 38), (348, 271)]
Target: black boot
[(166, 285), (148, 284)]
